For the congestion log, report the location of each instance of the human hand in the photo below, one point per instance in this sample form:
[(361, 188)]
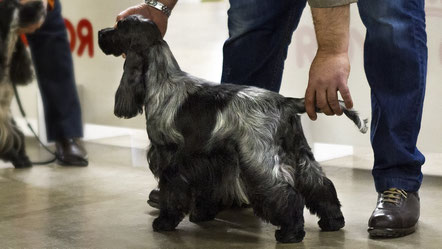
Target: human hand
[(328, 76), (159, 18)]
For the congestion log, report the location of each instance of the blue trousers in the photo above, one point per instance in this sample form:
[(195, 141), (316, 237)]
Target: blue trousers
[(395, 59), (53, 64)]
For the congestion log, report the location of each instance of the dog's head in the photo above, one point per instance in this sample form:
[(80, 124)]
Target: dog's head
[(14, 15), (20, 13), (131, 34)]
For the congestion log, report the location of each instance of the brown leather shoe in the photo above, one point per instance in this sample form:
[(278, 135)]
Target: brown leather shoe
[(396, 214), (70, 152)]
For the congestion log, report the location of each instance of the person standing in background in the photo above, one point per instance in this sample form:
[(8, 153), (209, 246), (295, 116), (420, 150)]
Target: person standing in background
[(54, 68)]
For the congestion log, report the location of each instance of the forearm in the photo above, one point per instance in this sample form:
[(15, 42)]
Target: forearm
[(332, 29), (330, 69)]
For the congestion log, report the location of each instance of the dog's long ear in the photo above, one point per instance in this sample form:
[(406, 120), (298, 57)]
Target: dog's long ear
[(129, 99), (2, 57), (21, 66)]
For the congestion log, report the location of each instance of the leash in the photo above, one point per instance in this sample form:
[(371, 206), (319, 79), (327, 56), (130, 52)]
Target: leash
[(22, 111)]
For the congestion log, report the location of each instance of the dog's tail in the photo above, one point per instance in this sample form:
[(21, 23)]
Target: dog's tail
[(299, 105)]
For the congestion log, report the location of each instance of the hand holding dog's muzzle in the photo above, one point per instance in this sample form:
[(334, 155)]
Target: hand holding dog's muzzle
[(160, 19)]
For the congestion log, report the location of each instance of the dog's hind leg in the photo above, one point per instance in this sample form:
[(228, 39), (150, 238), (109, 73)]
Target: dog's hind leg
[(319, 192), (278, 203)]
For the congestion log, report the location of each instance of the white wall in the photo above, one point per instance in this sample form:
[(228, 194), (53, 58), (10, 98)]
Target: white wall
[(196, 34)]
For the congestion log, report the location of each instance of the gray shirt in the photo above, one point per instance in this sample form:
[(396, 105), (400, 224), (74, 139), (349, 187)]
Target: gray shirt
[(329, 3)]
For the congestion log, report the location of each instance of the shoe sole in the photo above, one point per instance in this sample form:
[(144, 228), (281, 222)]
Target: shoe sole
[(390, 232), (83, 163), (153, 204)]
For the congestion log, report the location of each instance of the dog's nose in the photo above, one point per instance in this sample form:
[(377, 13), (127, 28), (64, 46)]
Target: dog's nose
[(101, 34)]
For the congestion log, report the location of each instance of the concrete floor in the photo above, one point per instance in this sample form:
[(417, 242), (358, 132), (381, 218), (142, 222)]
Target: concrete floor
[(104, 206)]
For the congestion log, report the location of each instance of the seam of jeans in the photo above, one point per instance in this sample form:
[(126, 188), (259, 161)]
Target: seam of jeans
[(421, 77), (287, 35)]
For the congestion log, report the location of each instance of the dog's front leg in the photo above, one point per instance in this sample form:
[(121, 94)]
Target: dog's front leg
[(174, 200), (204, 208), (22, 159)]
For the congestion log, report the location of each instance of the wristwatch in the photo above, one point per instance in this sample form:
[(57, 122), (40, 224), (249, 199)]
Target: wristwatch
[(159, 6)]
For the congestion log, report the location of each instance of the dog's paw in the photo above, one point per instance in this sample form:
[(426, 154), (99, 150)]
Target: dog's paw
[(331, 224), (289, 236), (21, 162), (162, 224)]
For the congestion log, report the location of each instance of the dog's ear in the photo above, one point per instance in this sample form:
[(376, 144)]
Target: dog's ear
[(2, 58), (129, 99), (21, 66)]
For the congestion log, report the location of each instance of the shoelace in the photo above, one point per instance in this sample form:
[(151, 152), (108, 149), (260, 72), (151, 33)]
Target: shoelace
[(393, 195)]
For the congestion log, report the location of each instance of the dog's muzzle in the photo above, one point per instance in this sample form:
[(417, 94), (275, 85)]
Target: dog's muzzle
[(31, 12), (108, 42)]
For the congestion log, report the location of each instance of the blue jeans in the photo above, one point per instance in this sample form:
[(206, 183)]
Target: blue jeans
[(395, 58), (55, 74)]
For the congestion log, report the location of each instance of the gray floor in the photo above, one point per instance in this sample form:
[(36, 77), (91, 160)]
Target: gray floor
[(104, 206)]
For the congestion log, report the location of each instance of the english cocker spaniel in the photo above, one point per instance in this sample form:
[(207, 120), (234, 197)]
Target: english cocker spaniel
[(213, 145)]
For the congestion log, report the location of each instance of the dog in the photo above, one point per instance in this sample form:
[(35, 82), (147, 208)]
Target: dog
[(214, 145), (15, 69)]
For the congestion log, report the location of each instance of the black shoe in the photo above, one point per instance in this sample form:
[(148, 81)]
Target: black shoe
[(70, 152), (396, 214), (154, 198)]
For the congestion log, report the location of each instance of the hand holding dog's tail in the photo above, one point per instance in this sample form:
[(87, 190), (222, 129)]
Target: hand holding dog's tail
[(350, 113)]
